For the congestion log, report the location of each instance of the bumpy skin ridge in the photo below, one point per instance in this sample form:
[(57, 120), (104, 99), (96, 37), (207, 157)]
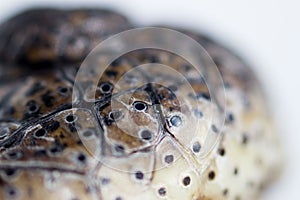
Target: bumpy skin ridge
[(43, 139)]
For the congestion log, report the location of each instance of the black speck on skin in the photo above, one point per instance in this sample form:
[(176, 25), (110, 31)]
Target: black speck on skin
[(203, 96), (230, 118), (196, 147), (63, 91), (10, 172), (199, 96), (14, 155), (108, 121), (211, 175), (36, 87), (116, 62), (186, 181), (245, 139), (162, 191), (139, 175), (146, 135), (48, 99), (41, 152), (187, 68), (169, 159), (198, 113), (215, 129), (105, 181), (120, 148), (153, 59), (221, 151), (53, 126), (32, 107), (111, 73), (72, 128), (225, 192), (236, 171), (11, 192), (81, 158)]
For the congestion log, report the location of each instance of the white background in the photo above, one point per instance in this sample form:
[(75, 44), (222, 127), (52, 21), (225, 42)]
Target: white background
[(265, 32)]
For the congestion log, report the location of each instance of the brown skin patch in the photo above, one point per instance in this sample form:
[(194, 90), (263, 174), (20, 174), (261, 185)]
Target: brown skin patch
[(52, 36), (48, 181), (57, 146), (38, 96)]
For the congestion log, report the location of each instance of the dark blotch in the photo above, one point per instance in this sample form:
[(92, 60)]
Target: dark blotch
[(225, 192), (63, 91), (221, 152), (81, 158), (32, 108), (230, 118), (10, 172), (111, 73), (116, 62), (37, 87), (119, 148), (215, 129), (139, 175), (11, 192), (235, 171), (200, 95), (211, 175), (196, 147), (198, 113), (105, 181), (15, 155), (48, 99), (245, 139), (162, 191), (187, 67), (88, 133), (72, 128), (146, 135), (55, 150), (53, 126), (153, 59)]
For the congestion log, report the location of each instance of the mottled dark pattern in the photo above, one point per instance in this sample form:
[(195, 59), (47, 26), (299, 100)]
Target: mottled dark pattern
[(143, 141)]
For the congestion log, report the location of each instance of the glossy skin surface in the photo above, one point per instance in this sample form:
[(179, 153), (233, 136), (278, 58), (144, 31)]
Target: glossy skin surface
[(143, 154)]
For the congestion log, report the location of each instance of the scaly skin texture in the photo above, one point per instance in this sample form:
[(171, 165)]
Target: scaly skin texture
[(123, 147)]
